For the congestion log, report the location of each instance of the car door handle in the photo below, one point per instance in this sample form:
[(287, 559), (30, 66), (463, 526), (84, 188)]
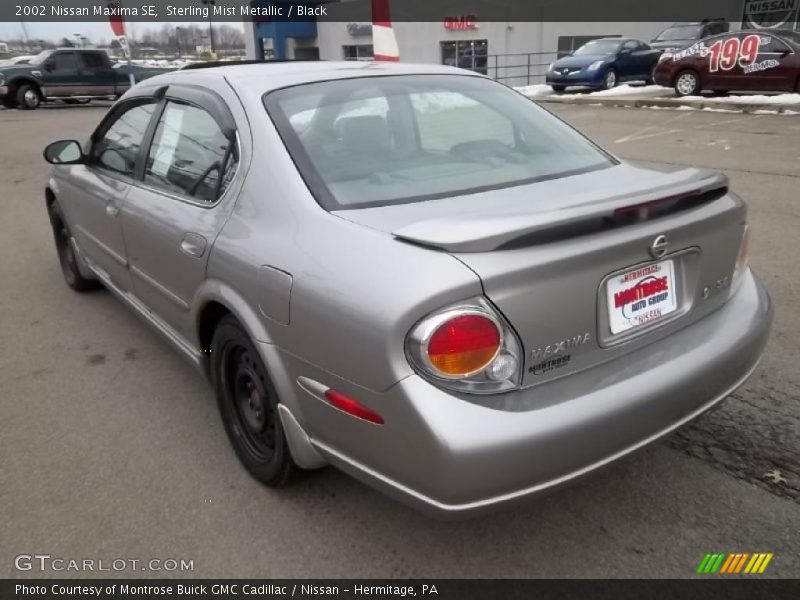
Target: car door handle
[(112, 210), (193, 245)]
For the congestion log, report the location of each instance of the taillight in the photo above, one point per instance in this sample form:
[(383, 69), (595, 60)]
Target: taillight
[(467, 347), (463, 345), (743, 260)]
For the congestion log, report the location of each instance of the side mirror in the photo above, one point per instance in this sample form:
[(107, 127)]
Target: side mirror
[(64, 152)]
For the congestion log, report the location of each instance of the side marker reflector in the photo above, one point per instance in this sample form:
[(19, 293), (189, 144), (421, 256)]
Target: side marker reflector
[(351, 407)]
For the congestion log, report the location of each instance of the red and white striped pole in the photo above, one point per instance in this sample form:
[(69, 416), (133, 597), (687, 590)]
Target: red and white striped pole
[(118, 27), (384, 44)]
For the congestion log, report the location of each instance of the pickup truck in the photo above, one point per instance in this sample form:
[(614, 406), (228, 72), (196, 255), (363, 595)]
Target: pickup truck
[(72, 75)]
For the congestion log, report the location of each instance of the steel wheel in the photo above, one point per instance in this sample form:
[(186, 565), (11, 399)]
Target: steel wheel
[(253, 407), (248, 404), (66, 253)]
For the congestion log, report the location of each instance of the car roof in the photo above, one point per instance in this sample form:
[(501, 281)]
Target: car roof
[(263, 77)]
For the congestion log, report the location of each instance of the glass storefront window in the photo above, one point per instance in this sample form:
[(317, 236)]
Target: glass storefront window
[(466, 54), (358, 52)]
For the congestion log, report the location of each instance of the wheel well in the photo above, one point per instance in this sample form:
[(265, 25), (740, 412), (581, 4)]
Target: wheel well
[(14, 85), (210, 316)]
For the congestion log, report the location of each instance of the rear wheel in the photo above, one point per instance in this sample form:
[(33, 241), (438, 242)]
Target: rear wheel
[(687, 83), (248, 404), (28, 97), (610, 80), (66, 253)]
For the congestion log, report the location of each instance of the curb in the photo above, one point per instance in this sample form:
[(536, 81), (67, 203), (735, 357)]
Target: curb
[(749, 107)]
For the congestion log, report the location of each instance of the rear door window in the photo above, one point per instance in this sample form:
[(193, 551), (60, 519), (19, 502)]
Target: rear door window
[(190, 154)]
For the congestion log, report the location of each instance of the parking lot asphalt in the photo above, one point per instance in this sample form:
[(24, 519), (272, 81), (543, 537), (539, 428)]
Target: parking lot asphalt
[(111, 446)]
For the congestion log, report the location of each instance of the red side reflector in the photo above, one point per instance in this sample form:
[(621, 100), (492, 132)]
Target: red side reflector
[(351, 407)]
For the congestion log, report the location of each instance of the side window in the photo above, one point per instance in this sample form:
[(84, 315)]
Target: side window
[(92, 60), (63, 61), (118, 148), (631, 45), (190, 154), (772, 45)]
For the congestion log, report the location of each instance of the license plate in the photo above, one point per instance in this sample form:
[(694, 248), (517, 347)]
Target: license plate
[(641, 296)]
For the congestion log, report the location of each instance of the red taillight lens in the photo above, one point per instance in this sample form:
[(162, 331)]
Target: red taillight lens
[(352, 407), (463, 345)]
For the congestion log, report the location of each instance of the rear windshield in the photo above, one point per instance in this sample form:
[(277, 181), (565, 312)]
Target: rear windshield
[(683, 32), (376, 141)]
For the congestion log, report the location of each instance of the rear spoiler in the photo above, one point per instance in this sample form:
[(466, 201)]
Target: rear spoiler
[(484, 232)]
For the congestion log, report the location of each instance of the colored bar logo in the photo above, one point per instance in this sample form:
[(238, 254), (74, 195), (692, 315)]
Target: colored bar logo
[(735, 562)]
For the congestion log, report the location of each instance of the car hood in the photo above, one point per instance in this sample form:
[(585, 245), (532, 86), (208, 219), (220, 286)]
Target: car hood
[(581, 61), (486, 221), (10, 70)]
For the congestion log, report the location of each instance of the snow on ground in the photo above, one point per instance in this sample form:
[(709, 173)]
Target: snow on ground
[(777, 100), (647, 92)]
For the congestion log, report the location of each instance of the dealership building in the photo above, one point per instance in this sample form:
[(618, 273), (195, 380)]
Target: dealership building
[(515, 52)]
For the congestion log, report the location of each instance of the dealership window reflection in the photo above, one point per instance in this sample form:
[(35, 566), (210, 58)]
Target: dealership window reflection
[(466, 54)]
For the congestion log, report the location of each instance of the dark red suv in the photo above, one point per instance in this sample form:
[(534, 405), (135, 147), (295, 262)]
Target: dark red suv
[(752, 61)]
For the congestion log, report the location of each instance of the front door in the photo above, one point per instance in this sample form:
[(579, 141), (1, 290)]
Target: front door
[(173, 215), (99, 189), (61, 75)]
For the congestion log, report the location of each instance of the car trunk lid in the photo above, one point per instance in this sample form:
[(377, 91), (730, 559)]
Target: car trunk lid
[(564, 260)]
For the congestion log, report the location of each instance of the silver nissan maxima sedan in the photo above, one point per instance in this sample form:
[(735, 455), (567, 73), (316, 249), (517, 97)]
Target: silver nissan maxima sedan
[(411, 272)]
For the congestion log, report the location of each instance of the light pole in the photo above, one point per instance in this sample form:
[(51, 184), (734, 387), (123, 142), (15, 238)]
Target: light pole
[(210, 5), (178, 40)]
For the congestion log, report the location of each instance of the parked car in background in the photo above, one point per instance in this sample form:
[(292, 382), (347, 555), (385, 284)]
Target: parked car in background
[(68, 74), (681, 35), (603, 64), (747, 61), (410, 272), (17, 60)]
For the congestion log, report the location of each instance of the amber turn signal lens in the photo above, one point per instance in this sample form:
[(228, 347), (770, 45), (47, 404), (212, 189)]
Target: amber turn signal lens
[(463, 345)]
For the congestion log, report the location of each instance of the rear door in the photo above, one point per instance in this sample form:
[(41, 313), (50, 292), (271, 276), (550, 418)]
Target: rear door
[(179, 203), (772, 70), (96, 73)]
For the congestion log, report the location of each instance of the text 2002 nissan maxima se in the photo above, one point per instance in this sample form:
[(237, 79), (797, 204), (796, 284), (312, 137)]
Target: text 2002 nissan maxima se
[(410, 272)]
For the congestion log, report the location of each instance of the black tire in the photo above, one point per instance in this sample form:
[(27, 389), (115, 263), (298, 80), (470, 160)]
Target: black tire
[(10, 101), (28, 97), (248, 404), (66, 253), (610, 79), (558, 88), (686, 83)]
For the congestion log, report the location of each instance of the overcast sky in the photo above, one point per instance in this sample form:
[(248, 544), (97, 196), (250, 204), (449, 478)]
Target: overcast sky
[(94, 30)]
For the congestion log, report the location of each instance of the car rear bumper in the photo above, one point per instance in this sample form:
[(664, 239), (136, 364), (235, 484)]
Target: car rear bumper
[(448, 455)]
